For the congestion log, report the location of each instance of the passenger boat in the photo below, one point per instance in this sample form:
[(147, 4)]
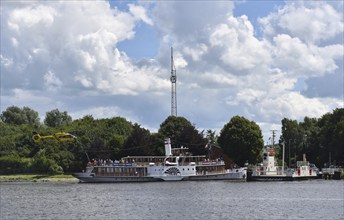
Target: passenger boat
[(177, 165), (268, 171)]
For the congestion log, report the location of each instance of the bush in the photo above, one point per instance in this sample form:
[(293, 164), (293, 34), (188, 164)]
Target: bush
[(41, 164), (11, 164)]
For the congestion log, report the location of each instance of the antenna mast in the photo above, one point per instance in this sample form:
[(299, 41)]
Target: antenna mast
[(174, 87)]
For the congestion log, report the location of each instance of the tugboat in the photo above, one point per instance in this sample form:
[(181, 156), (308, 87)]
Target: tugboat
[(177, 165), (268, 171)]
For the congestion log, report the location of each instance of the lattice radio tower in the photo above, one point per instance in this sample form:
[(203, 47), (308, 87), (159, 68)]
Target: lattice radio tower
[(173, 87)]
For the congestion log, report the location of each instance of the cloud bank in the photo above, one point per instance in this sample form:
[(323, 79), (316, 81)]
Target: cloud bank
[(62, 54)]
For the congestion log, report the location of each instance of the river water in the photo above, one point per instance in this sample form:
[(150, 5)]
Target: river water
[(314, 199)]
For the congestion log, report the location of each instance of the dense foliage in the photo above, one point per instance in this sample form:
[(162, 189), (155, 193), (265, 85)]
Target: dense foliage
[(322, 140), (96, 138), (18, 116), (183, 134), (242, 140), (56, 118), (113, 138)]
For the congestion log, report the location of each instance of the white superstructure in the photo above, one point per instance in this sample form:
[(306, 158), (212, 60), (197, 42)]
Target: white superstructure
[(269, 170)]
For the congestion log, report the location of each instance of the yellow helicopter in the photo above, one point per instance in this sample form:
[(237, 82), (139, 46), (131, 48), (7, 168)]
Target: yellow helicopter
[(59, 136)]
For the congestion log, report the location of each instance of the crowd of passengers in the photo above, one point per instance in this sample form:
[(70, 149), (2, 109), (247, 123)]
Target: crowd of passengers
[(107, 162)]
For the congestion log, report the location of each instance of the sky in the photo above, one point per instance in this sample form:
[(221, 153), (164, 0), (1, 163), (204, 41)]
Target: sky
[(263, 60)]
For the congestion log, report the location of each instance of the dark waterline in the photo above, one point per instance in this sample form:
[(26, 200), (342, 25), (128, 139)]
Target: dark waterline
[(315, 199)]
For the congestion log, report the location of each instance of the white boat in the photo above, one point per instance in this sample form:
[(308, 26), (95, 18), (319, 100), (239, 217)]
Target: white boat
[(177, 165), (268, 171)]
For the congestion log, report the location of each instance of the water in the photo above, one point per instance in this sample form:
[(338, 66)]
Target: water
[(315, 199)]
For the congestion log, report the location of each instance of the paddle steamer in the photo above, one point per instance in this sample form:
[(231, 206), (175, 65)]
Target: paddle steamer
[(177, 165)]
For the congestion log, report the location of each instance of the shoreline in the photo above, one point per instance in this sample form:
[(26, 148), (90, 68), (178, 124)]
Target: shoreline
[(38, 178)]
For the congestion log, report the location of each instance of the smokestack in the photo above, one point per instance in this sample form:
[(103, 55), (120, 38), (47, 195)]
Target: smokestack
[(168, 150)]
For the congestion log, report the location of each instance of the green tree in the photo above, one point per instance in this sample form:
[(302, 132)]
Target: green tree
[(211, 136), (16, 139), (138, 142), (310, 140), (55, 118), (12, 163), (157, 143), (101, 138), (17, 116), (292, 135), (332, 137), (320, 139), (173, 128), (191, 138), (183, 133), (242, 140), (42, 164)]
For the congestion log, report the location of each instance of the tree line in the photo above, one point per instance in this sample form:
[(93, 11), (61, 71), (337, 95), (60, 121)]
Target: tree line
[(240, 140), (321, 139)]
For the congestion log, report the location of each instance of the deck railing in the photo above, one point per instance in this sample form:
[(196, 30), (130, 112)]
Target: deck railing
[(126, 164), (331, 170)]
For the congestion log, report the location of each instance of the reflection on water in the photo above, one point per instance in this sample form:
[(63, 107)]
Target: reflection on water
[(315, 199)]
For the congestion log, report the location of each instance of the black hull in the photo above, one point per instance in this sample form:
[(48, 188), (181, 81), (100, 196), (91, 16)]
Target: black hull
[(117, 179), (216, 177), (269, 178), (282, 178)]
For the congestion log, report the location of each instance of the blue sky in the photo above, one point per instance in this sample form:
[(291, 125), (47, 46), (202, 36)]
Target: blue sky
[(146, 44), (264, 60)]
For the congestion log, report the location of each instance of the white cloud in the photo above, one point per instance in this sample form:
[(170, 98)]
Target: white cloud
[(52, 82), (38, 101), (31, 16), (76, 41), (97, 112), (241, 49), (6, 62), (302, 59), (140, 13), (272, 108), (14, 42), (196, 52), (310, 21), (63, 54), (179, 60), (187, 21), (295, 106), (217, 79), (257, 76)]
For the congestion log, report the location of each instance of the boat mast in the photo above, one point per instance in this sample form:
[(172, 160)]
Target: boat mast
[(283, 158)]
